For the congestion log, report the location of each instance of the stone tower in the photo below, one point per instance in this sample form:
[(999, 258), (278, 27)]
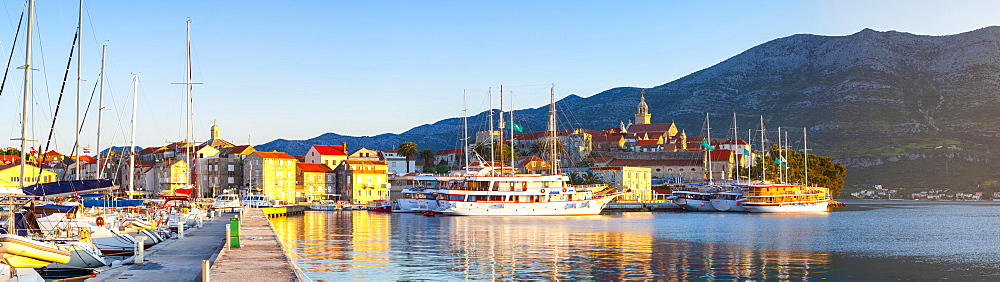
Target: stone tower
[(642, 115), (215, 130)]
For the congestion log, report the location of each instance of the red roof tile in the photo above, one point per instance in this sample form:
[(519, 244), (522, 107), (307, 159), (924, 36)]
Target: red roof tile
[(648, 163), (652, 127), (274, 155), (313, 167), (363, 162), (330, 150)]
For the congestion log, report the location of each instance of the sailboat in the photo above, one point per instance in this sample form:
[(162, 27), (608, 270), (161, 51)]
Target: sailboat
[(490, 188), (17, 251)]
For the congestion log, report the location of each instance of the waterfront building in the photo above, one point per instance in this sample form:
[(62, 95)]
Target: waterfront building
[(531, 164), (636, 178), (169, 175), (364, 154), (271, 174), (10, 175), (361, 181), (314, 181), (225, 169), (452, 157), (329, 155), (398, 165)]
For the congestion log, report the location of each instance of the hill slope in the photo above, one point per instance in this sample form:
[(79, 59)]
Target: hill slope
[(899, 109)]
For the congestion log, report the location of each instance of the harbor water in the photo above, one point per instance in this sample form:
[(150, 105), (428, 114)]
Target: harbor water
[(866, 240)]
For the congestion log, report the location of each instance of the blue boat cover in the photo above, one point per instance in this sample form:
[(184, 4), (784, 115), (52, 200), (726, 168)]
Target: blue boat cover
[(112, 203), (67, 188)]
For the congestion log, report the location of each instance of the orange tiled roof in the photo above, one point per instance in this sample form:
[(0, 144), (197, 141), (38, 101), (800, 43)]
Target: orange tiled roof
[(274, 155), (313, 167), (330, 150), (364, 162)]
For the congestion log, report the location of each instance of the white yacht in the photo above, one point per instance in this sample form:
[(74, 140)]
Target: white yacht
[(692, 200), (491, 191)]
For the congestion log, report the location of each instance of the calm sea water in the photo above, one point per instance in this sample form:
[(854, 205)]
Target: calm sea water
[(866, 240)]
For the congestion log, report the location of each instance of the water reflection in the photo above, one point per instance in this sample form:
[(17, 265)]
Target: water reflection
[(631, 246)]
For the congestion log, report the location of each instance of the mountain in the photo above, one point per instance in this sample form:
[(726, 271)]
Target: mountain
[(899, 109)]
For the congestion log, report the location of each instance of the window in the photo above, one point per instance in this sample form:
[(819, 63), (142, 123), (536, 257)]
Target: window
[(232, 180), (456, 197), (232, 167)]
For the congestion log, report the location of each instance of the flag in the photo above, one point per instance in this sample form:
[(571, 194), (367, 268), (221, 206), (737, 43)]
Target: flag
[(86, 150), (33, 151), (704, 144), (780, 162), (746, 151), (515, 127)]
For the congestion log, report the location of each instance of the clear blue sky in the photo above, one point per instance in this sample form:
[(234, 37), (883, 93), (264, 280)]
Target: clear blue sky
[(297, 69)]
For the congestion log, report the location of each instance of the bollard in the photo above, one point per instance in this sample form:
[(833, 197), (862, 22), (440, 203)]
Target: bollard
[(227, 235), (205, 267), (140, 248), (180, 229), (234, 232)]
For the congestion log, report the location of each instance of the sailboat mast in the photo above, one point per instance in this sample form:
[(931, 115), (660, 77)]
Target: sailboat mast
[(187, 131), (100, 112), (500, 127), (763, 148), (553, 153), (805, 155), (735, 141), (491, 129), (511, 95), (781, 176), (708, 141), (26, 104), (131, 145), (465, 129), (748, 159), (79, 80)]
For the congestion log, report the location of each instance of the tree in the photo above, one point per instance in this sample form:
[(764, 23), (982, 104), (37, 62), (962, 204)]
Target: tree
[(427, 155), (823, 171), (544, 148), (408, 149)]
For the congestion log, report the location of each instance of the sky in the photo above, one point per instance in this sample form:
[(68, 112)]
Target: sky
[(298, 69)]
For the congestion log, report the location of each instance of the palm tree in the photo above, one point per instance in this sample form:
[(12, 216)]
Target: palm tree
[(428, 156), (408, 149)]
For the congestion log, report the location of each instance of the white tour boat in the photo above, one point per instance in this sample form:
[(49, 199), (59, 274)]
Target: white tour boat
[(786, 198), (487, 193)]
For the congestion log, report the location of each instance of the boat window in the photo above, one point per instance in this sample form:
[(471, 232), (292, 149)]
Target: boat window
[(472, 198), (496, 198), (456, 197)]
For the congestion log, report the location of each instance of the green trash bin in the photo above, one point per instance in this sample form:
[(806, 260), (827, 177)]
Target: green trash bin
[(234, 232)]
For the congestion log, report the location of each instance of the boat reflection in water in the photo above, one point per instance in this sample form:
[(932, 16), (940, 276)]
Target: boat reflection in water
[(350, 245)]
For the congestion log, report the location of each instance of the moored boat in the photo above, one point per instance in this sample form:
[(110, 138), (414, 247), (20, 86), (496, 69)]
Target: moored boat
[(731, 201), (693, 200), (772, 198)]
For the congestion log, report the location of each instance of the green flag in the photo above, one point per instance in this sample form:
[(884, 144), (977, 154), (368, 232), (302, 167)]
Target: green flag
[(746, 151), (515, 127), (704, 144), (778, 161)]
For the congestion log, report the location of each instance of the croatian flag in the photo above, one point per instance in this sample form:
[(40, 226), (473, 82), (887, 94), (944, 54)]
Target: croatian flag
[(86, 150)]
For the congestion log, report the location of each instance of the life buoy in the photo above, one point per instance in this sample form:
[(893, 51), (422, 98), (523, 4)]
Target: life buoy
[(564, 190), (100, 221), (703, 204), (543, 190)]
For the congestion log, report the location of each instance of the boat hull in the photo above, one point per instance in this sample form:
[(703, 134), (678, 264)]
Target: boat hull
[(694, 205), (587, 207), (808, 207), (22, 252), (728, 205)]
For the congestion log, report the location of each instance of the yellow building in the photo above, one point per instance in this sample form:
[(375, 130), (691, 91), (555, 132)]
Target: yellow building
[(272, 174), (10, 175), (313, 181), (170, 175), (329, 155), (636, 178), (361, 181)]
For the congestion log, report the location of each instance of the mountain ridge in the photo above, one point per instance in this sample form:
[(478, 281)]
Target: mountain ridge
[(870, 95)]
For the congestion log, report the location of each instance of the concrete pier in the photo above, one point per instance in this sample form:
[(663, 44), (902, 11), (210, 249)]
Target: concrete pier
[(174, 259), (261, 257)]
